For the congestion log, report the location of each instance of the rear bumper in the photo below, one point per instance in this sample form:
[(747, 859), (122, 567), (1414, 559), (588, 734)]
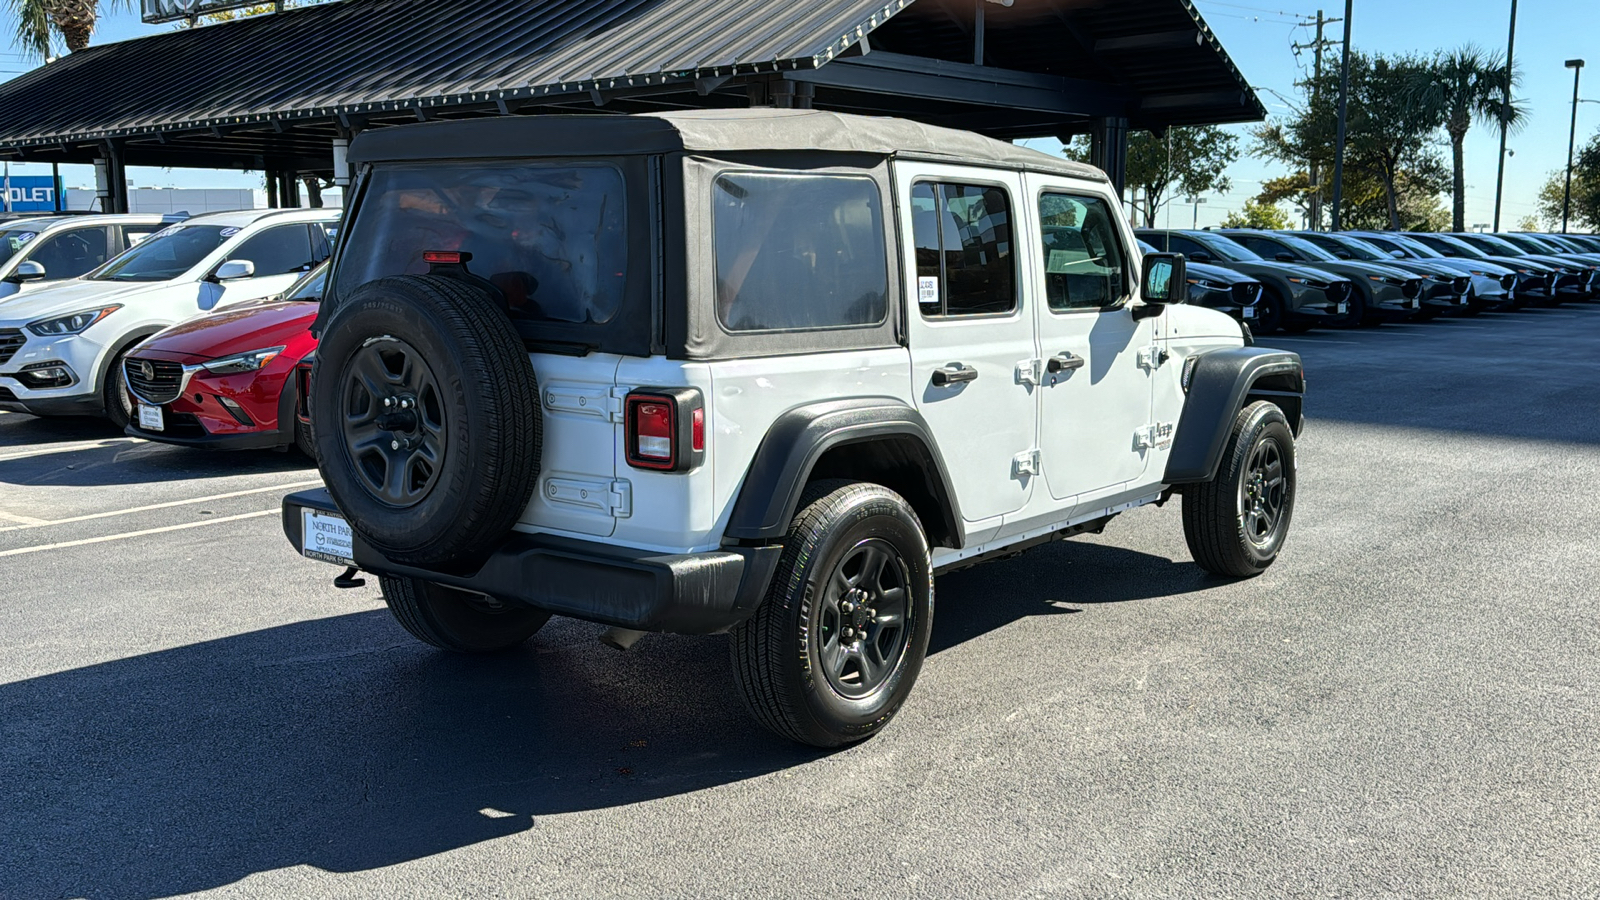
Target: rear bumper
[(684, 593)]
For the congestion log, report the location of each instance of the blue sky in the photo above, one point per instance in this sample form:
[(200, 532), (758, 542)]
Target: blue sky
[(1258, 34)]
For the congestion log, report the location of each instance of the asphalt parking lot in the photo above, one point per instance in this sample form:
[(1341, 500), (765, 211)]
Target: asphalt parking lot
[(1405, 706)]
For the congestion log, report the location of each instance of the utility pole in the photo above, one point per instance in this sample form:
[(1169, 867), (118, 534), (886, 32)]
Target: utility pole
[(1576, 65), (1344, 110), (1505, 111), (1314, 170)]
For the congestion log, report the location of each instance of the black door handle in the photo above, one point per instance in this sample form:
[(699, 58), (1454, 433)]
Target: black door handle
[(953, 374), (1063, 362)]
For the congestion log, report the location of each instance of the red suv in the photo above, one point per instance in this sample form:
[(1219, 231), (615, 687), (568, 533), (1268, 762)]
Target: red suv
[(228, 380)]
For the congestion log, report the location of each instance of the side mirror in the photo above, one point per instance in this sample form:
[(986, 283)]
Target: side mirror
[(1286, 257), (234, 270), (1164, 280), (1200, 256), (1397, 254), (27, 271), (1344, 254)]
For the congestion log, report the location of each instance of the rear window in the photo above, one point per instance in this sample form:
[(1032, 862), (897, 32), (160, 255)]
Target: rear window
[(799, 252), (552, 238)]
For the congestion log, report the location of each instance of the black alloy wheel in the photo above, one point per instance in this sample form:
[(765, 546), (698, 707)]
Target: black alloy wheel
[(393, 421), (1263, 493), (863, 619)]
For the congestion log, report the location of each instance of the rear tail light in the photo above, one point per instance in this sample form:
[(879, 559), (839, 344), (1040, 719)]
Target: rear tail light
[(665, 429)]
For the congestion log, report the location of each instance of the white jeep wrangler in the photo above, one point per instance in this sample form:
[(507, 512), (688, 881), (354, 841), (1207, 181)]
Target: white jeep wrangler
[(761, 372)]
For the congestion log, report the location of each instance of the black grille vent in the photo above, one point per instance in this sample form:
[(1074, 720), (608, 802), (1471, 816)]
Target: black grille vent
[(1246, 294), (155, 381), (11, 340), (6, 395)]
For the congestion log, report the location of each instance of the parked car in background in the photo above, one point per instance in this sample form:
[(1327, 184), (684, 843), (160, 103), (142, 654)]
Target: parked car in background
[(61, 348), (1492, 284), (1444, 287), (1589, 243), (38, 252), (1536, 282), (1220, 289), (1383, 293), (1546, 247), (1295, 298), (227, 380), (1573, 277)]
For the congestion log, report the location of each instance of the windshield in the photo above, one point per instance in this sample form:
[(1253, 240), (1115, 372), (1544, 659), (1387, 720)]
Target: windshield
[(550, 237), (1224, 248), (164, 255), (1360, 249), (1495, 245), (1306, 248), (1456, 246), (310, 287), (12, 240), (1415, 246)]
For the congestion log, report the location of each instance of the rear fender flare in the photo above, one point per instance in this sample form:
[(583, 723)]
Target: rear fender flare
[(1222, 383), (803, 436)]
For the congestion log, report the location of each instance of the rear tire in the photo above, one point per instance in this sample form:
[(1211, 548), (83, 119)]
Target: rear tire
[(831, 654), (1236, 524), (459, 621)]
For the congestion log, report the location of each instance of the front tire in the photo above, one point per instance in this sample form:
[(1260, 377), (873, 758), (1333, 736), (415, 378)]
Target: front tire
[(459, 621), (832, 653), (1236, 524), (114, 393)]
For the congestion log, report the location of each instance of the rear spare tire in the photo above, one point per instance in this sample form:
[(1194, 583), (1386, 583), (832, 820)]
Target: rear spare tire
[(426, 419)]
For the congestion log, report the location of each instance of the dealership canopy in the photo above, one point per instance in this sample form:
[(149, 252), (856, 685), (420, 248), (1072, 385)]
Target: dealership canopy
[(278, 92)]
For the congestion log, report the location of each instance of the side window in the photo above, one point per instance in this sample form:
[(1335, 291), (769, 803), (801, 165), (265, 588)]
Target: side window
[(1085, 267), (71, 253), (321, 242), (1260, 246), (965, 260), (1179, 244), (283, 250), (799, 252), (133, 234)]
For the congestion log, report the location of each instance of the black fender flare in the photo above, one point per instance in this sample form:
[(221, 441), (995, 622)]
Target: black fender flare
[(799, 438), (1219, 386), (127, 343)]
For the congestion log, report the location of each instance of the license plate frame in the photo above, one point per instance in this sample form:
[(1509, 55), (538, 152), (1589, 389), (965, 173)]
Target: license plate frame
[(326, 537), (152, 418)]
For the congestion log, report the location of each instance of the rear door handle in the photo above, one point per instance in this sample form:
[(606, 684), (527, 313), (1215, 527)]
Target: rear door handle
[(953, 374), (1063, 362)]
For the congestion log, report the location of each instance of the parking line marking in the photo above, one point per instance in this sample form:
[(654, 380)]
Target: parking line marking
[(133, 534), (69, 447), (40, 523)]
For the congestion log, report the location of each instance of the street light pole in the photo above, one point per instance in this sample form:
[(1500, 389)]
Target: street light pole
[(1576, 65), (1344, 108), (1505, 112)]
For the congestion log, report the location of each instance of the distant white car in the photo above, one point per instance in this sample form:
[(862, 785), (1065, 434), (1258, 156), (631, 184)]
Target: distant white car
[(39, 252), (61, 347)]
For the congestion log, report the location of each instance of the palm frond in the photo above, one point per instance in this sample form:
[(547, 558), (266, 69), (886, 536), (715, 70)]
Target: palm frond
[(33, 26)]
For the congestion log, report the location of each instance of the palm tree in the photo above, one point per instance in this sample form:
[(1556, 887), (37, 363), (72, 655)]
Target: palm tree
[(74, 20), (1468, 85)]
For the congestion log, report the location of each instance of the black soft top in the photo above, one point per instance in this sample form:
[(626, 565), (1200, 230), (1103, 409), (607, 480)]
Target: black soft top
[(700, 131)]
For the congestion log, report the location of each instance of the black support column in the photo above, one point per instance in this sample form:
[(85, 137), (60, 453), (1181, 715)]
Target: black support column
[(1108, 149)]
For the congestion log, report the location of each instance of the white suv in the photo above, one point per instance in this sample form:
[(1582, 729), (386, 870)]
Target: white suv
[(61, 347), (38, 252), (761, 372)]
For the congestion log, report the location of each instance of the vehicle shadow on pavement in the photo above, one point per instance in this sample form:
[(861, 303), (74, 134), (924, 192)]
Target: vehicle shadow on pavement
[(140, 462), (18, 430), (342, 744)]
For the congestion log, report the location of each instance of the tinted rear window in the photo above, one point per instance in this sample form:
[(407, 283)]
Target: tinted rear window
[(799, 252), (552, 238)]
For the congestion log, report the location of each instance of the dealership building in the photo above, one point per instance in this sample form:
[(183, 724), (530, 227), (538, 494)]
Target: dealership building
[(283, 93)]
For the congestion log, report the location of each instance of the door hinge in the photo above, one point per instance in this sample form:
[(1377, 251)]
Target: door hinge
[(621, 499), (1153, 357), (614, 402), (1157, 436), (1025, 463), (1030, 371)]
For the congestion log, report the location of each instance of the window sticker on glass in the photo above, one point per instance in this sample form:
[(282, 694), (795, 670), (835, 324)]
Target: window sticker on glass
[(230, 232), (927, 291), (23, 238)]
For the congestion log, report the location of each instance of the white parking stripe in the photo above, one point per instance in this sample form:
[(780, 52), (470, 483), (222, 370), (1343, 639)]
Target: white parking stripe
[(40, 523), (133, 534), (68, 447)]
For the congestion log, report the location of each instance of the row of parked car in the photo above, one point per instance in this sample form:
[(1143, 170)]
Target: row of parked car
[(1299, 280), (197, 330)]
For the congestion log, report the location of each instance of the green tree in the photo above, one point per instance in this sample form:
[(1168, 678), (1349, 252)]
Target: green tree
[(1185, 162), (39, 22), (1387, 143), (1585, 212), (1258, 214), (1466, 86)]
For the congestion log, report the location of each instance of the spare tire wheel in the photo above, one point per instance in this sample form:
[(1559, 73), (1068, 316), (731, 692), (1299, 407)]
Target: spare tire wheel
[(427, 423)]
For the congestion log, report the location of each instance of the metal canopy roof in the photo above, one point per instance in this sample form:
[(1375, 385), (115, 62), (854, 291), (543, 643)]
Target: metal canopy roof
[(272, 91)]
